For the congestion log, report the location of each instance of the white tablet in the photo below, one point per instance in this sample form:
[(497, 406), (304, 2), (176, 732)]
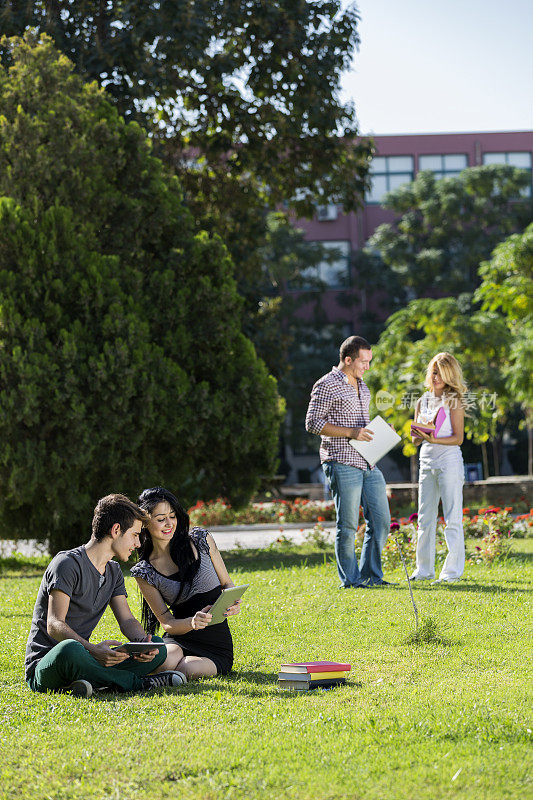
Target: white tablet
[(226, 599), (384, 440)]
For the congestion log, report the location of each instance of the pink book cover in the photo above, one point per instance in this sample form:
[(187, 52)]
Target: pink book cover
[(439, 420), (316, 666), (433, 428)]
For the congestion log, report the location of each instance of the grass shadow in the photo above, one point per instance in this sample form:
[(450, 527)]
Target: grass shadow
[(251, 560), (251, 676), (251, 683), (481, 587), (519, 556)]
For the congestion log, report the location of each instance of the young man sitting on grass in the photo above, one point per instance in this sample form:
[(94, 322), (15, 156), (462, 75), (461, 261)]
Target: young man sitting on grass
[(76, 588)]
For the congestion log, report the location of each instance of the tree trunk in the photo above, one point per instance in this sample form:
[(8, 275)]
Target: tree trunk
[(414, 478), (530, 451), (496, 456), (485, 460)]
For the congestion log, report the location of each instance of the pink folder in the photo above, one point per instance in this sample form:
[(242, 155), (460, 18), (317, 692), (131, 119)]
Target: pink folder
[(432, 428)]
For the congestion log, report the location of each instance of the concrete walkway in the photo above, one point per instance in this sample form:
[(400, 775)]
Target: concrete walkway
[(227, 537)]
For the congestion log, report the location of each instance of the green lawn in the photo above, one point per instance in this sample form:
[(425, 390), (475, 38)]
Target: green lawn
[(431, 721)]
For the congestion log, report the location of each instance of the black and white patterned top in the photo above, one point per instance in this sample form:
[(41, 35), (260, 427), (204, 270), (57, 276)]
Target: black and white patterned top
[(335, 400), (205, 580)]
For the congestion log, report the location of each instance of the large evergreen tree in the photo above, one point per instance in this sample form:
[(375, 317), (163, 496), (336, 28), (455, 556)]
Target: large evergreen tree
[(241, 99), (121, 349), (254, 84)]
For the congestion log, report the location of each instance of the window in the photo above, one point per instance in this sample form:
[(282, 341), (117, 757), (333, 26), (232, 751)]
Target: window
[(388, 173), (333, 271), (520, 160), (444, 166)]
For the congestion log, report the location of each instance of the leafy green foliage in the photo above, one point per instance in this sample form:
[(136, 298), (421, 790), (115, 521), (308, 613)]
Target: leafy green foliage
[(256, 84), (447, 227), (122, 352), (478, 339), (507, 285)]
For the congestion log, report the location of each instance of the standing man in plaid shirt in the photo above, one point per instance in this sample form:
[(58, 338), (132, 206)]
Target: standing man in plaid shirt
[(338, 412)]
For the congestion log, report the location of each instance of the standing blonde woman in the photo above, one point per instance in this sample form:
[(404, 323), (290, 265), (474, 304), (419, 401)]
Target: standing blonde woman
[(441, 475)]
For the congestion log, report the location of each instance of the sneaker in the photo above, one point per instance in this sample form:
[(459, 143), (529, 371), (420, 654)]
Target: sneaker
[(163, 680), (78, 689)]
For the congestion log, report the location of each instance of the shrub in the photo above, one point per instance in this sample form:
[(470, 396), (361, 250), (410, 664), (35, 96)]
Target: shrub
[(120, 323)]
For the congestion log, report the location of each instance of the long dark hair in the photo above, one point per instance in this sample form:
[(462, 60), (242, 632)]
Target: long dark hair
[(180, 548)]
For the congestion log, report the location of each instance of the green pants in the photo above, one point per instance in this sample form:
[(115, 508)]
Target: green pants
[(69, 661)]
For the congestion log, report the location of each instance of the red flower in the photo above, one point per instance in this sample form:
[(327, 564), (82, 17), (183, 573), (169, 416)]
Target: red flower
[(321, 519), (413, 517), (394, 526), (466, 511)]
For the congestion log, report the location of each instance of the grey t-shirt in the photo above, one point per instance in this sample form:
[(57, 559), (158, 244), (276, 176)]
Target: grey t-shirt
[(73, 573)]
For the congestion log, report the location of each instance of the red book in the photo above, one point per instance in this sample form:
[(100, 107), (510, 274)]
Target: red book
[(316, 666)]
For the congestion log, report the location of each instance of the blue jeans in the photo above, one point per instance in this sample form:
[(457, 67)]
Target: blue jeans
[(351, 487)]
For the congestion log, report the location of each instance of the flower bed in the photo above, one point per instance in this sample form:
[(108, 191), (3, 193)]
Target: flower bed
[(220, 512), (494, 527)]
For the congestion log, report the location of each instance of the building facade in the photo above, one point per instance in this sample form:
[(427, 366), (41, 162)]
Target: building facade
[(397, 161)]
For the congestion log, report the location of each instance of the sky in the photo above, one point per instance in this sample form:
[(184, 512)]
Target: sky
[(431, 66)]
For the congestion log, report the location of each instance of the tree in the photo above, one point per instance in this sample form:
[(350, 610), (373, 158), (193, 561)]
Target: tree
[(241, 100), (507, 285), (252, 84), (447, 227), (478, 339), (121, 347)]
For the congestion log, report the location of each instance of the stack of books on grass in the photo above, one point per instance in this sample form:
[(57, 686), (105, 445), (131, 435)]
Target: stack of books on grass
[(308, 675)]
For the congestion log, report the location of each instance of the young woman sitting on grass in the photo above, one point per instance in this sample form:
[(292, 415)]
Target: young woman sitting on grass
[(180, 574)]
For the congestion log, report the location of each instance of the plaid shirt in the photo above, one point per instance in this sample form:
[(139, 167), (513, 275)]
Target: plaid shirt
[(335, 400)]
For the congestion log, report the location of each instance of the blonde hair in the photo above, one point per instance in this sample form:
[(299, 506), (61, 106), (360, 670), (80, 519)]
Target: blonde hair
[(451, 374)]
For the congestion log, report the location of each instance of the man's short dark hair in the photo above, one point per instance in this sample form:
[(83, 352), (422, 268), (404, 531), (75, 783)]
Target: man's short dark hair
[(352, 345), (115, 508)]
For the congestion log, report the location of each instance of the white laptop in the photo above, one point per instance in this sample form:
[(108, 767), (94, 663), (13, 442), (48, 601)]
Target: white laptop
[(384, 440)]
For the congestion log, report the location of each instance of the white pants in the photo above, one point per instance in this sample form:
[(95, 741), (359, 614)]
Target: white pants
[(444, 482)]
